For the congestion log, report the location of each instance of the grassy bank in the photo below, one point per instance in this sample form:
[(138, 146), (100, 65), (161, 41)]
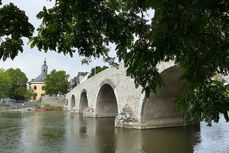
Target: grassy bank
[(51, 108)]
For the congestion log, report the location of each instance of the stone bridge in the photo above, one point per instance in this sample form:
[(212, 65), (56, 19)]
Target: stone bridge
[(111, 93)]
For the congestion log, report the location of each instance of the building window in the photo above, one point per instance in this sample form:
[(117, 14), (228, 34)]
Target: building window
[(34, 97), (43, 87), (35, 87)]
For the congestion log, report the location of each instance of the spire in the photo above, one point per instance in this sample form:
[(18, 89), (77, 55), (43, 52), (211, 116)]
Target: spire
[(44, 68)]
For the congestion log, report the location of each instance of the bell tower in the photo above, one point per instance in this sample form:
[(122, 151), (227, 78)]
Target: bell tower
[(44, 68)]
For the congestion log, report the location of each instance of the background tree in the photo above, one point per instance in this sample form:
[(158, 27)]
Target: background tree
[(5, 84), (19, 81), (30, 93), (14, 25), (97, 69), (56, 83), (194, 34)]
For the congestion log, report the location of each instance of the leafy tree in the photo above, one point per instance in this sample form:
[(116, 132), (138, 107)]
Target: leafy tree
[(206, 101), (97, 69), (56, 82), (14, 25), (19, 81), (5, 84), (30, 93)]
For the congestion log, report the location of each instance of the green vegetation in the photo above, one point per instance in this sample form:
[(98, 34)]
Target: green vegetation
[(13, 85), (98, 69), (56, 83), (19, 81), (206, 101), (14, 25), (5, 84), (30, 93), (51, 108)]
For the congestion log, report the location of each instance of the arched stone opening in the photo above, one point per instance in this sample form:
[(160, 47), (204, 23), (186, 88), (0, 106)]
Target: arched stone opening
[(106, 102), (83, 102), (73, 102), (159, 110)]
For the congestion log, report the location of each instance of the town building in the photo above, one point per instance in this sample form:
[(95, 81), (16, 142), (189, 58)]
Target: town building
[(38, 84), (76, 80)]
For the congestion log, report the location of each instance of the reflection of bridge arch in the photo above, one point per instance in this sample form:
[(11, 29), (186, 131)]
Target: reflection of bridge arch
[(159, 109), (73, 101), (106, 104), (83, 101)]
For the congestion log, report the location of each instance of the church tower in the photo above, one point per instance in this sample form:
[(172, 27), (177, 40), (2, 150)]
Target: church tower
[(44, 68), (38, 84)]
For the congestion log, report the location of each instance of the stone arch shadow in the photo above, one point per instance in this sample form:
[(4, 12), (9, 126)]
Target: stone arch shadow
[(159, 110), (73, 102), (106, 100), (83, 104)]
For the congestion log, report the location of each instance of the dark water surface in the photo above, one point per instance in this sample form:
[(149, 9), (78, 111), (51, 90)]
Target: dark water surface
[(65, 132)]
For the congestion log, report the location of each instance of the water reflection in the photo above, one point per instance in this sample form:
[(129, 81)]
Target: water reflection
[(128, 141), (105, 135), (65, 132), (177, 140), (40, 131)]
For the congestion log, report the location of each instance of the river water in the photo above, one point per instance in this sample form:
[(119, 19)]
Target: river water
[(65, 132)]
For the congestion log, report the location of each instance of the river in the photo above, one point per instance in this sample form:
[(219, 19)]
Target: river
[(65, 132)]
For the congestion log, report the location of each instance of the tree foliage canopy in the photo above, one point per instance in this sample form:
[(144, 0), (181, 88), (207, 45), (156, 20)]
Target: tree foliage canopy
[(19, 81), (97, 69), (5, 84), (194, 34), (56, 83), (14, 25), (30, 93), (206, 101)]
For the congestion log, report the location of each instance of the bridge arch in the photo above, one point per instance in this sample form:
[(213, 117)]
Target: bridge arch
[(109, 82), (106, 101), (83, 101), (159, 110), (73, 101)]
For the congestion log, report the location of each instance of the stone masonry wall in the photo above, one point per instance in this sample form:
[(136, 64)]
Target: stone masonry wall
[(53, 101)]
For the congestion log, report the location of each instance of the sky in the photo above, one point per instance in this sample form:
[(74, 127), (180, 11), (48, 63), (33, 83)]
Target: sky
[(31, 60)]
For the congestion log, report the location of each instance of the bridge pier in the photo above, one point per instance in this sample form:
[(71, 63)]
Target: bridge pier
[(89, 112)]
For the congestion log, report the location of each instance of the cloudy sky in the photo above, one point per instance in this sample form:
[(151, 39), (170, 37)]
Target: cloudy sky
[(30, 60)]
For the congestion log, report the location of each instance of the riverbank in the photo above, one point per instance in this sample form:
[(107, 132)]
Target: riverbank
[(18, 110), (49, 108), (8, 106), (34, 109)]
